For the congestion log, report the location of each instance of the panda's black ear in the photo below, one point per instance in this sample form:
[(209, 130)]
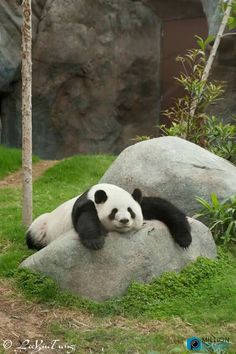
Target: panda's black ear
[(137, 195), (100, 196)]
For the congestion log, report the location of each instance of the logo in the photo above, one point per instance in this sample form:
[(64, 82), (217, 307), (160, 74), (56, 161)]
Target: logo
[(212, 344), (194, 343)]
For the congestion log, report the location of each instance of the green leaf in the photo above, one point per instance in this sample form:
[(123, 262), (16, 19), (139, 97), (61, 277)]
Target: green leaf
[(215, 201)]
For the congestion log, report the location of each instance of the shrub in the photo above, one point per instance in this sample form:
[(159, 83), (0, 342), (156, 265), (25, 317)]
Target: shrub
[(200, 128), (221, 218)]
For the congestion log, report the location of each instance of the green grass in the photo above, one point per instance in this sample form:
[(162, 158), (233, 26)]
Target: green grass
[(68, 179), (203, 295), (113, 341), (203, 285), (10, 160), (64, 181)]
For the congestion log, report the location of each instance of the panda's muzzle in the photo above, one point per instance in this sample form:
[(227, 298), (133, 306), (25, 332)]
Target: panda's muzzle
[(124, 221)]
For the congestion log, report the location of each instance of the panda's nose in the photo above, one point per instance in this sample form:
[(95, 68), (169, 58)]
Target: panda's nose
[(124, 221)]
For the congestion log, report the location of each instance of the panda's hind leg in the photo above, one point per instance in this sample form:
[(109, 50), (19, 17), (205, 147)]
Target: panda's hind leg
[(36, 235)]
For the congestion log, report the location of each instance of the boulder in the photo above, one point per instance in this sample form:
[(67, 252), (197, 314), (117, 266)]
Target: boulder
[(175, 169), (107, 273)]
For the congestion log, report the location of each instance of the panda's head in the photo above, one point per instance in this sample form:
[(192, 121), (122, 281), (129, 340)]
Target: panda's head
[(117, 209)]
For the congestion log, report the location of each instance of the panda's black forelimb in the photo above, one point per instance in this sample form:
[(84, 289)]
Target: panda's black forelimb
[(87, 224), (169, 214)]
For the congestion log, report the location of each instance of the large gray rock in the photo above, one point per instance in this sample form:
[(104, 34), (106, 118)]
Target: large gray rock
[(104, 274), (174, 169)]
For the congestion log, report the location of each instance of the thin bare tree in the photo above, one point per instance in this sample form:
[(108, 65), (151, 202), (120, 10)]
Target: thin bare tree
[(27, 112), (217, 40), (214, 49)]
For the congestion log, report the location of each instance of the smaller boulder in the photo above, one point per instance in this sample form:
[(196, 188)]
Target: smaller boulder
[(107, 273)]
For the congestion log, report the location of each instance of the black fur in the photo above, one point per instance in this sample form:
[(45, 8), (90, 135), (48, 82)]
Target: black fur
[(132, 213), (32, 243), (113, 214), (92, 233), (86, 222), (175, 219), (100, 197), (137, 195)]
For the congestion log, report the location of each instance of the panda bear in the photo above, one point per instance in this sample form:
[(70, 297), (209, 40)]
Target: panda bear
[(104, 208)]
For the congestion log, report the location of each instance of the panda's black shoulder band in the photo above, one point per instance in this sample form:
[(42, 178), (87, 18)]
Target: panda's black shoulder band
[(81, 204)]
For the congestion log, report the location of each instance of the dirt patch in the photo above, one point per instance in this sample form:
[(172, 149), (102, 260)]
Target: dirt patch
[(15, 179), (25, 326), (23, 322), (20, 322)]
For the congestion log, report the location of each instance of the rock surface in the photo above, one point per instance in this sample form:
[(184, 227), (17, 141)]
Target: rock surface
[(104, 274), (10, 42), (88, 94), (174, 169)]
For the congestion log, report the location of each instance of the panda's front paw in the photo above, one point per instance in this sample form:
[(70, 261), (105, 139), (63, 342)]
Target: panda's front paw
[(93, 244), (184, 239)]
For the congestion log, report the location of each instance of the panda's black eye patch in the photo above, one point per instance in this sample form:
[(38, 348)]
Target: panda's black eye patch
[(132, 213), (113, 213)]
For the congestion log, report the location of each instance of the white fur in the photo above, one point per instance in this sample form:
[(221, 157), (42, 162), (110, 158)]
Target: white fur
[(47, 227), (120, 199), (50, 226)]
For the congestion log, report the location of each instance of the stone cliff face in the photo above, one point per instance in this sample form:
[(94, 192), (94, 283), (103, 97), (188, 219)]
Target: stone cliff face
[(10, 22), (95, 77), (96, 71)]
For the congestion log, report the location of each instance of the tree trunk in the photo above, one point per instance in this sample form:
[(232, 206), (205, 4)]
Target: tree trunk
[(27, 113)]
